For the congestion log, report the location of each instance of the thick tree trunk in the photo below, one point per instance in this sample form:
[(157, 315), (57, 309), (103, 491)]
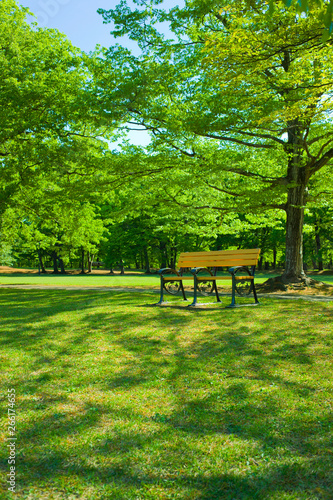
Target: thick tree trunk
[(297, 177), (294, 234)]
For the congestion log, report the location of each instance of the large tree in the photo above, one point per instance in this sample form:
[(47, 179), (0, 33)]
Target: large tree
[(47, 123), (244, 97)]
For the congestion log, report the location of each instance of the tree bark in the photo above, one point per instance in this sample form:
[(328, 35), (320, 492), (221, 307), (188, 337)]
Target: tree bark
[(297, 178), (294, 234), (82, 261)]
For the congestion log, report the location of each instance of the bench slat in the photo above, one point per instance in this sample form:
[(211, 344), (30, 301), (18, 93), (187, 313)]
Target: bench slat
[(252, 251), (219, 258), (175, 278), (205, 262)]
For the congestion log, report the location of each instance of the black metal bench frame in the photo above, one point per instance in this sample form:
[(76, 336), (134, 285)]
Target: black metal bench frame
[(242, 276)]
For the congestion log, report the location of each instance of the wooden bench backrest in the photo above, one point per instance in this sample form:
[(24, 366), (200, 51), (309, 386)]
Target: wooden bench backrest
[(219, 258)]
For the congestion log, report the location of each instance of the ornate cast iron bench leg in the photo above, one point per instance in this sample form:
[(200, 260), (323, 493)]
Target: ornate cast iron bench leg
[(161, 301), (241, 286), (171, 286), (207, 286)]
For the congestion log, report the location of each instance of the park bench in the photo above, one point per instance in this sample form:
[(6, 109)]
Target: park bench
[(203, 268), (97, 264)]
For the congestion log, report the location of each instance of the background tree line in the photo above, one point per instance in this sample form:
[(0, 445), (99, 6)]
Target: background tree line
[(238, 107)]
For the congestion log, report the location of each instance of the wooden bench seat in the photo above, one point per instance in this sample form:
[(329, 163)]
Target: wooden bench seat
[(203, 268)]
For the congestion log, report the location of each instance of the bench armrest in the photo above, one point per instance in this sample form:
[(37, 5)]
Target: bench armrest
[(233, 270), (195, 270), (168, 270)]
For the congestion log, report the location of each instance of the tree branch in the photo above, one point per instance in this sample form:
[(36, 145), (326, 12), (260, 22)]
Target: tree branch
[(317, 165), (237, 141), (275, 181)]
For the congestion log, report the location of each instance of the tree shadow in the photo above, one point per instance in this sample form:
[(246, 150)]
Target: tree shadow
[(220, 376)]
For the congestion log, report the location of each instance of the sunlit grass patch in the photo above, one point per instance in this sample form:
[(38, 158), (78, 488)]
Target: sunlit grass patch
[(118, 399), (106, 280)]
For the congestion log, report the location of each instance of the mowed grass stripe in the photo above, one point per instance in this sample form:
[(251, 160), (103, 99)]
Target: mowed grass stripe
[(116, 281)]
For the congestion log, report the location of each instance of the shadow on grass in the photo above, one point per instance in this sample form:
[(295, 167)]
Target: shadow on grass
[(123, 399)]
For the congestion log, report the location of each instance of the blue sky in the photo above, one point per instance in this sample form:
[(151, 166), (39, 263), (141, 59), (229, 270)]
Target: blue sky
[(79, 21)]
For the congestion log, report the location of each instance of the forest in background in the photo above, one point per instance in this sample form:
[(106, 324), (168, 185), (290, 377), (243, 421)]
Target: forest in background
[(238, 106)]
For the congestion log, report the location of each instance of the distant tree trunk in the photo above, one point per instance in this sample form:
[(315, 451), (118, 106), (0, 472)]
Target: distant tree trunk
[(90, 261), (274, 258), (318, 245), (122, 269), (62, 266), (173, 257), (82, 261), (147, 263), (42, 267), (163, 251), (260, 264)]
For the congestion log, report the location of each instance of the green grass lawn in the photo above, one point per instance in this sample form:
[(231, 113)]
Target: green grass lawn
[(119, 400), (140, 280)]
